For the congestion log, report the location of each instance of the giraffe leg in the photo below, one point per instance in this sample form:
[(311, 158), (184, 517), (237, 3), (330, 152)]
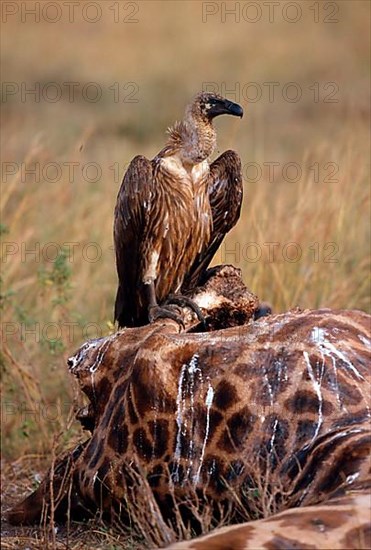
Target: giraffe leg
[(57, 491)]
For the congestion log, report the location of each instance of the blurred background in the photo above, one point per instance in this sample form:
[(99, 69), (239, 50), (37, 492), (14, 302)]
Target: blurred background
[(86, 88)]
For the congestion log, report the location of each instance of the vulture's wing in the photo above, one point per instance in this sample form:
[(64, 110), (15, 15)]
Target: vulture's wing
[(225, 195), (131, 210)]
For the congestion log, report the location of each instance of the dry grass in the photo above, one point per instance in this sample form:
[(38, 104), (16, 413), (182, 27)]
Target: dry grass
[(41, 297), (138, 522)]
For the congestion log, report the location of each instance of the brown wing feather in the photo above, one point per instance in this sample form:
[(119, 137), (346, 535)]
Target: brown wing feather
[(225, 196), (129, 222)]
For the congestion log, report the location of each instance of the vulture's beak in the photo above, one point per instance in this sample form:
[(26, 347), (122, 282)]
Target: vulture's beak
[(225, 107)]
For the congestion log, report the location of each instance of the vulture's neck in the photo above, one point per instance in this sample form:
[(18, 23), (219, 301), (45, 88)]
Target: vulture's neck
[(193, 140)]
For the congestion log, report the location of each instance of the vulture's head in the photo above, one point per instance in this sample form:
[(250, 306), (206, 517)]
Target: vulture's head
[(208, 105), (195, 136)]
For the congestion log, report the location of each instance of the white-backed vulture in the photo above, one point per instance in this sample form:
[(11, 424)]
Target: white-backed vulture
[(173, 212)]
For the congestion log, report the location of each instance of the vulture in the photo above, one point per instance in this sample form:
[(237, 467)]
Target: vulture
[(172, 213)]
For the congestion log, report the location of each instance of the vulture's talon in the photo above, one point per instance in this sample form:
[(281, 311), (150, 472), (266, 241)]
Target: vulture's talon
[(164, 312), (184, 301)]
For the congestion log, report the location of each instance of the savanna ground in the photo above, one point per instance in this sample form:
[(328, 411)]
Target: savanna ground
[(303, 237)]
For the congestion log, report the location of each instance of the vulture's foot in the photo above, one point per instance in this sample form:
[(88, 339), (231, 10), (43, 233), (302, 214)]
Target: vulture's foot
[(165, 312), (185, 301)]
